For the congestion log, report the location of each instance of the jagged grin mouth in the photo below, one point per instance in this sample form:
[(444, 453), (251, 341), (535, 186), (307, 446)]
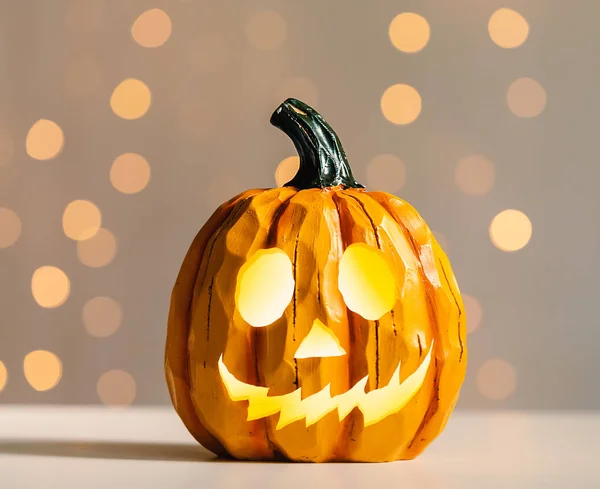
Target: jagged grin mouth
[(374, 405)]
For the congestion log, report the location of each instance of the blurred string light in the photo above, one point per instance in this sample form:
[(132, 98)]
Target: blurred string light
[(508, 28), (266, 30), (386, 172), (286, 170), (102, 316), (50, 286), (116, 388), (409, 32), (43, 369), (401, 104), (44, 140), (130, 173), (300, 88), (81, 220), (475, 175), (510, 230), (526, 98), (473, 311), (152, 28), (83, 77), (496, 379), (7, 148), (99, 250), (131, 99), (10, 227), (3, 376)]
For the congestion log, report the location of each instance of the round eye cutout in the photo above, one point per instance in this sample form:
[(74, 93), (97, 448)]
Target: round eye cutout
[(366, 281), (265, 286)]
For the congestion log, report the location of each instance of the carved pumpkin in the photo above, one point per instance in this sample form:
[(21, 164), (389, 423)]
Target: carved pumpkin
[(317, 321)]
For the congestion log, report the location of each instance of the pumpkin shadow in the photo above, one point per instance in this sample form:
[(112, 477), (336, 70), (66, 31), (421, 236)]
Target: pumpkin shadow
[(108, 450)]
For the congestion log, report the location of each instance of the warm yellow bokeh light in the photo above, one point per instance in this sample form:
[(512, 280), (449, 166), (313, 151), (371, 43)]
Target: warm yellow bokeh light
[(320, 342), (99, 250), (300, 88), (526, 97), (7, 148), (42, 369), (508, 28), (475, 175), (131, 99), (266, 30), (510, 230), (130, 173), (152, 28), (409, 32), (401, 104), (473, 311), (50, 286), (3, 376), (83, 77), (116, 388), (497, 379), (102, 316), (10, 227), (81, 220), (386, 172), (366, 281), (264, 287), (286, 170), (45, 140)]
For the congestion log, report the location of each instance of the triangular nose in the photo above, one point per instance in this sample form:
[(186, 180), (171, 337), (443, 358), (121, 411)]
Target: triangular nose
[(320, 342)]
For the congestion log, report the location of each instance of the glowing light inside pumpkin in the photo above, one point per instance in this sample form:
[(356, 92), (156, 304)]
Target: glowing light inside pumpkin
[(374, 405), (320, 342), (366, 281), (265, 286)]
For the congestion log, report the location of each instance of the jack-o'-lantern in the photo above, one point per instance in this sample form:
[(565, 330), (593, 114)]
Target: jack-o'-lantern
[(317, 321)]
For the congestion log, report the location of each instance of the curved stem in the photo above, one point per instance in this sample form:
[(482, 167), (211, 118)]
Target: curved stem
[(323, 161)]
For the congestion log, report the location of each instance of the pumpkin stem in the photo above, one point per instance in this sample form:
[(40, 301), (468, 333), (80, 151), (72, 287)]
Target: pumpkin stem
[(323, 161)]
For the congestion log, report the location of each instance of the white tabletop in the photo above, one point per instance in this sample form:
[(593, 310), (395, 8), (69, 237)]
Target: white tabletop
[(93, 447)]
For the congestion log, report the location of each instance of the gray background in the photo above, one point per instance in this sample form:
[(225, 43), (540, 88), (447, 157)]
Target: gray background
[(539, 303)]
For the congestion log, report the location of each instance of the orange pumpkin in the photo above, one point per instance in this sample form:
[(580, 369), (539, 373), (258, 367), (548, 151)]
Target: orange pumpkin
[(317, 321)]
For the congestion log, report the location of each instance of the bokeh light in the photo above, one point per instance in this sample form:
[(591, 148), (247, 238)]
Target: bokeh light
[(510, 230), (116, 388), (497, 379), (99, 250), (299, 88), (102, 316), (475, 175), (286, 170), (3, 376), (130, 173), (266, 30), (131, 99), (386, 172), (42, 369), (10, 227), (7, 148), (401, 104), (83, 77), (44, 140), (409, 32), (81, 220), (152, 28), (508, 28), (50, 286), (526, 98), (473, 311)]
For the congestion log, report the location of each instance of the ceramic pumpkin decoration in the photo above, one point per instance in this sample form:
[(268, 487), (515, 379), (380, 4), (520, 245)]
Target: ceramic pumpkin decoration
[(317, 321)]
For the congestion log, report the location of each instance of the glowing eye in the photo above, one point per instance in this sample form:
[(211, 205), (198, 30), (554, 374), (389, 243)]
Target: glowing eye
[(265, 286), (366, 281)]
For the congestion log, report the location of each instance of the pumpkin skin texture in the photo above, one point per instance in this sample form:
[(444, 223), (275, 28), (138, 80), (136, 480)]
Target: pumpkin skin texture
[(423, 332)]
